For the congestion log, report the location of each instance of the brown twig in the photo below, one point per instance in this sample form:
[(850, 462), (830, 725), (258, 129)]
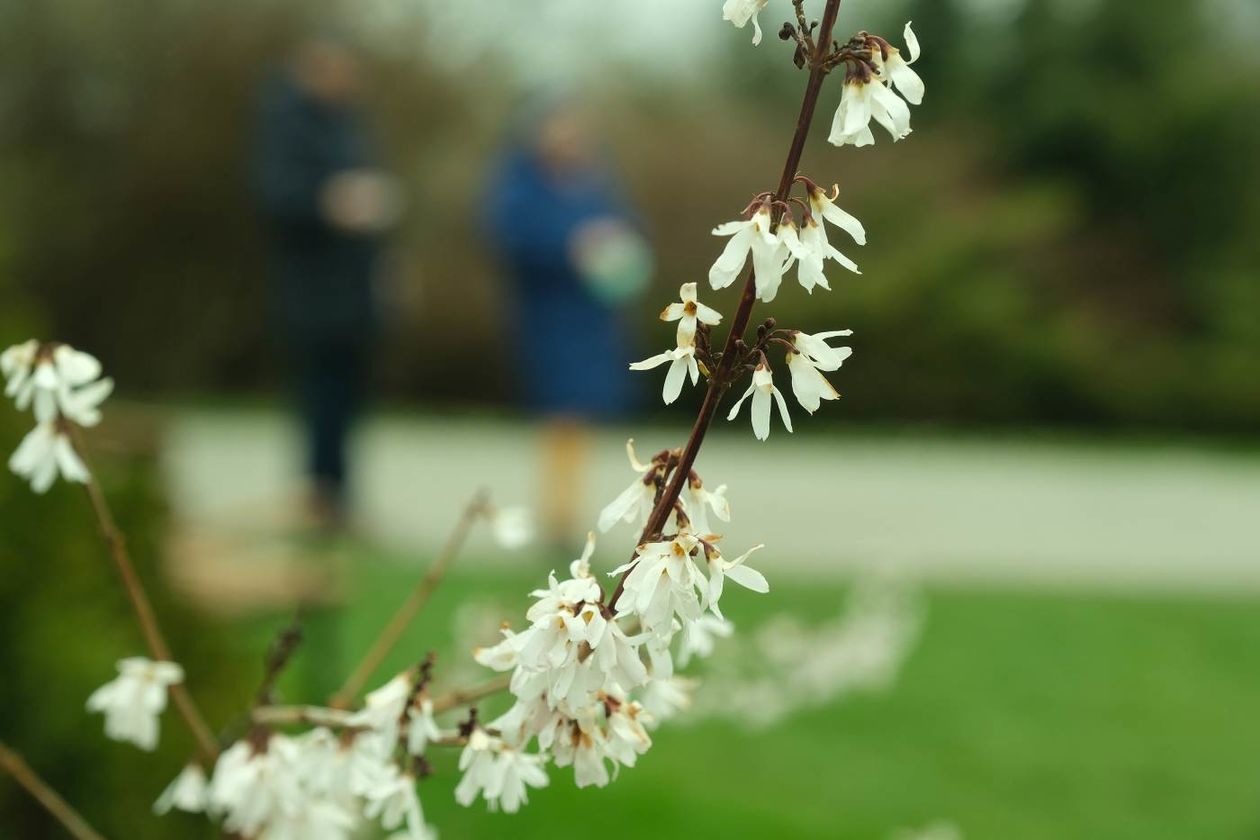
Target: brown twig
[(462, 697), (335, 718), (407, 612), (46, 796), (306, 715), (721, 379), (279, 654), (145, 616)]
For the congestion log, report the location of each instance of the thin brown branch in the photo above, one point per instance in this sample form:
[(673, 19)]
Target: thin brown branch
[(340, 718), (462, 697), (146, 618), (720, 381), (279, 654), (304, 715), (410, 608), (69, 818)]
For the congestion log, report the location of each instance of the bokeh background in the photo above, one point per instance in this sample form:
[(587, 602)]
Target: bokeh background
[(1047, 428)]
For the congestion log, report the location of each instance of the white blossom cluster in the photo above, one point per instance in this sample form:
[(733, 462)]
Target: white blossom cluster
[(869, 82), (320, 785), (592, 674), (773, 252), (868, 94), (689, 312), (64, 388)]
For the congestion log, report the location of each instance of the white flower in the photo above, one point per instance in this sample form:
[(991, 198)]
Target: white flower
[(615, 655), (627, 737), (504, 655), (664, 699), (697, 502), (235, 774), (326, 765), (16, 364), (43, 453), (819, 353), (769, 254), (133, 700), (682, 361), (866, 95), (851, 125), (188, 792), (563, 596), (688, 313), (662, 581), (813, 355), (513, 527), (421, 727), (808, 385), (739, 12), (361, 764), (310, 819), (720, 568), (55, 379), (761, 390), (514, 773), (258, 791), (825, 206), (498, 772), (862, 100), (572, 650), (393, 801), (898, 71), (633, 503), (481, 771), (700, 636), (581, 743), (383, 708)]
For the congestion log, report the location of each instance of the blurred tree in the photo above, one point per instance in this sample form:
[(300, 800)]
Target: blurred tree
[(1067, 236)]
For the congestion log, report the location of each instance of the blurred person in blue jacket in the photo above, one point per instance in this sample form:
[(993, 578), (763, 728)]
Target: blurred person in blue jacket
[(327, 204), (575, 258)]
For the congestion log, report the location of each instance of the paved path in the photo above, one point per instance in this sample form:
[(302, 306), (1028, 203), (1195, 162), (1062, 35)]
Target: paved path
[(942, 509)]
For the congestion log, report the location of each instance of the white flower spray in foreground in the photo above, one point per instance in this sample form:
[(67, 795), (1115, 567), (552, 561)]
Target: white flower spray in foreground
[(133, 701), (64, 389), (591, 668)]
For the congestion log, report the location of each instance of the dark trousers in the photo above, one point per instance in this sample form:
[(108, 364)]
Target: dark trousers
[(330, 380)]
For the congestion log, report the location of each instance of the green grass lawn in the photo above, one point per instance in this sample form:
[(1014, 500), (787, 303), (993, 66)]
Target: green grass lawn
[(1019, 716)]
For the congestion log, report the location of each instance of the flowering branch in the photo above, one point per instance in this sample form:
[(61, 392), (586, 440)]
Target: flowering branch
[(146, 618), (591, 675), (723, 377), (69, 818), (415, 602)]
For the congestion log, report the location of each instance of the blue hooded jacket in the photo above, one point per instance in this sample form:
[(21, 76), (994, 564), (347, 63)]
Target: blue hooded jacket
[(572, 346)]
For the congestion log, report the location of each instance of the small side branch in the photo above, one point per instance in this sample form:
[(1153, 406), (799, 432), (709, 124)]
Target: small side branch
[(146, 618), (335, 718), (410, 608), (462, 697), (301, 715), (69, 818)]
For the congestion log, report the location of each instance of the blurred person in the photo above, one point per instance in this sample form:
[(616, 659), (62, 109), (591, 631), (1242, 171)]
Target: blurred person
[(575, 257), (327, 204)]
